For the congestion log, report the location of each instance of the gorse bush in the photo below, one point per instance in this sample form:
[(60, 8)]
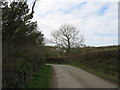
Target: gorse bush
[(22, 45)]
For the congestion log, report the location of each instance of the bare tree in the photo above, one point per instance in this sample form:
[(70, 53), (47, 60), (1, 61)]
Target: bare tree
[(67, 37)]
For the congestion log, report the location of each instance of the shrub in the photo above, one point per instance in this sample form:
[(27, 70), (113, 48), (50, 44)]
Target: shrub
[(55, 60), (18, 66)]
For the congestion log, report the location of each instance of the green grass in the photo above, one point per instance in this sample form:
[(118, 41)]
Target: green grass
[(97, 73), (42, 78)]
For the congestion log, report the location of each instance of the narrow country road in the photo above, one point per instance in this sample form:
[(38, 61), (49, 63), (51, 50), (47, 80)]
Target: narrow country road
[(71, 77)]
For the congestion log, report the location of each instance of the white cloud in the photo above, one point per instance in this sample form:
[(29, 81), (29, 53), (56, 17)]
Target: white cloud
[(50, 14)]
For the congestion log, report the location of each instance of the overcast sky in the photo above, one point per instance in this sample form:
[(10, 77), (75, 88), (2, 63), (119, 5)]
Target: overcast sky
[(97, 20)]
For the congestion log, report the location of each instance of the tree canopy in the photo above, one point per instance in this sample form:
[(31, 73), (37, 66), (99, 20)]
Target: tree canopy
[(67, 37), (17, 27)]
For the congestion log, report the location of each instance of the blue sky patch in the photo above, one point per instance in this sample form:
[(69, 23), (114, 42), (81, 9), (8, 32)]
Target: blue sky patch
[(103, 10), (73, 8)]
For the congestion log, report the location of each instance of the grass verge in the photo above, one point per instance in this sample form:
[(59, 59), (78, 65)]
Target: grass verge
[(97, 73), (42, 78)]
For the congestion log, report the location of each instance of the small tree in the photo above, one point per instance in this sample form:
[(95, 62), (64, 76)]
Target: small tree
[(22, 52), (17, 27), (67, 37)]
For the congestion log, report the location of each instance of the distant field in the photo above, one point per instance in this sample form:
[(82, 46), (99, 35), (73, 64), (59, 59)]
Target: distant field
[(53, 52), (91, 49)]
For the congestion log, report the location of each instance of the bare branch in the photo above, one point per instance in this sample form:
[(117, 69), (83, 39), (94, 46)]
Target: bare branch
[(67, 36)]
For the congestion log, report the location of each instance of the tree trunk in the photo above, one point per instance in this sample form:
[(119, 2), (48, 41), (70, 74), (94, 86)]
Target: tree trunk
[(68, 50)]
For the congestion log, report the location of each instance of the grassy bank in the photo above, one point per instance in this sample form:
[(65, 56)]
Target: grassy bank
[(42, 78), (103, 63), (101, 74)]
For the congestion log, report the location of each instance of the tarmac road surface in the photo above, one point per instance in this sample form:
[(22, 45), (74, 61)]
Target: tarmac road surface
[(66, 76)]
